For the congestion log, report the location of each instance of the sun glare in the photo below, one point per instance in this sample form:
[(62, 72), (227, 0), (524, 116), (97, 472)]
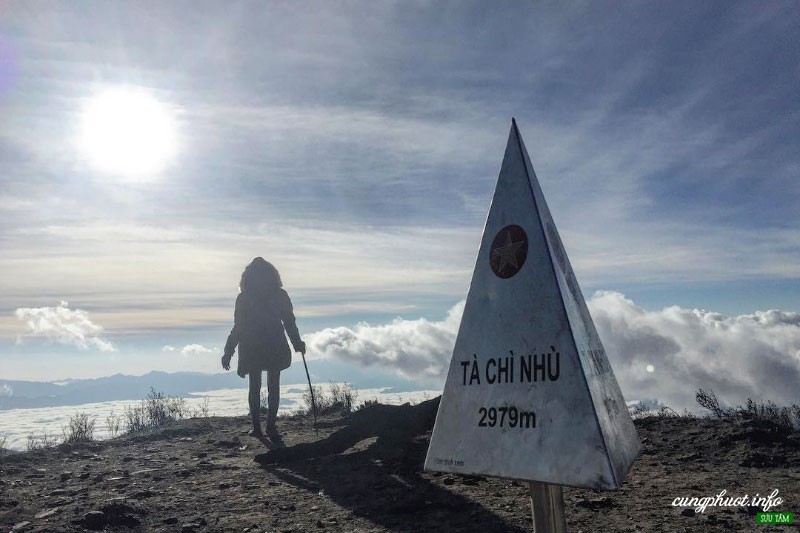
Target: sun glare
[(127, 132)]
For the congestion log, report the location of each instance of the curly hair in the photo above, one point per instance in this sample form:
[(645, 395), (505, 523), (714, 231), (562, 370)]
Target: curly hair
[(260, 277)]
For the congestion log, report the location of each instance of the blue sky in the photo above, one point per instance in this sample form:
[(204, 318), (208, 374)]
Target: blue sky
[(356, 146)]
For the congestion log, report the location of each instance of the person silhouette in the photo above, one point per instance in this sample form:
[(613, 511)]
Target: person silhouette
[(262, 312)]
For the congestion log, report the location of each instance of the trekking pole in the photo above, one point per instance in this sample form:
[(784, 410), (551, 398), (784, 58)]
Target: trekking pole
[(311, 389)]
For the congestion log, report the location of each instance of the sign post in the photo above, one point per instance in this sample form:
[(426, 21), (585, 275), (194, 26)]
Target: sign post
[(547, 508), (530, 394)]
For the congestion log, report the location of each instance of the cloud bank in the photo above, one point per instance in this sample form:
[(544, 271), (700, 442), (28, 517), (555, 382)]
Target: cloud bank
[(661, 356), (746, 356), (416, 349), (63, 325)]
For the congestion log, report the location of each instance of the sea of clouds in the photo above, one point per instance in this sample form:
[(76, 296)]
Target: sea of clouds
[(660, 356), (17, 425)]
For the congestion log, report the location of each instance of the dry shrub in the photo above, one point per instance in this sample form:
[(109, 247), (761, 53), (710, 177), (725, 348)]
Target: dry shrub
[(340, 399), (785, 417), (155, 411), (46, 440), (80, 428)]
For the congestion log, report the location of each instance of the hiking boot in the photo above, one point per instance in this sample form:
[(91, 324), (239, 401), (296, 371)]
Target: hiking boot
[(274, 436)]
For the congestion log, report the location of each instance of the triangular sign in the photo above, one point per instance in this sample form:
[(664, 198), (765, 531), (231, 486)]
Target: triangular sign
[(529, 394)]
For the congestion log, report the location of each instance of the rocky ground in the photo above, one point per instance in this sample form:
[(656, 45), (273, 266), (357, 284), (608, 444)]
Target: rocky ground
[(364, 473)]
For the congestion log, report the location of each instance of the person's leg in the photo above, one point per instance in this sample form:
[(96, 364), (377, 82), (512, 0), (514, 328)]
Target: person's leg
[(273, 399), (254, 399)]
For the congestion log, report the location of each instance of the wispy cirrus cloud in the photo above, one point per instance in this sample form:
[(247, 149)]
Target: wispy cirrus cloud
[(63, 325)]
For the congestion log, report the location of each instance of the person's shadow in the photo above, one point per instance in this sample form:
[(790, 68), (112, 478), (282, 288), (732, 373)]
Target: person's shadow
[(373, 467)]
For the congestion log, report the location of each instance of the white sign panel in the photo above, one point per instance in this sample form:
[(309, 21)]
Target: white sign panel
[(529, 394)]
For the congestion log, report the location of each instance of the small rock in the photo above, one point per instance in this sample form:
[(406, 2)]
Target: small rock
[(688, 512), (596, 504), (171, 520), (46, 513), (448, 481), (94, 519), (58, 492), (689, 457), (190, 527), (19, 526), (66, 476), (83, 475)]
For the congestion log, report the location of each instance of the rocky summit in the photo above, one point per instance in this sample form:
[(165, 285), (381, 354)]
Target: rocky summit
[(363, 472)]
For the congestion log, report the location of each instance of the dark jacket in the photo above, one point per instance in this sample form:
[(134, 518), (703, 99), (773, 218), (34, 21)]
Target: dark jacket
[(258, 326)]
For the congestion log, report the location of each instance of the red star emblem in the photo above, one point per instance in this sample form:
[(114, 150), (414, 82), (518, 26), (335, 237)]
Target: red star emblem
[(509, 251)]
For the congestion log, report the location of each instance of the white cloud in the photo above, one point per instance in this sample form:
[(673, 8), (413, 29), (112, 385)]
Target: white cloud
[(196, 349), (168, 348), (416, 349), (664, 356), (747, 356), (5, 390), (64, 325)]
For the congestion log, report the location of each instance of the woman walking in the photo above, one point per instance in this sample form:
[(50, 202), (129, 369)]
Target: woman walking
[(263, 310)]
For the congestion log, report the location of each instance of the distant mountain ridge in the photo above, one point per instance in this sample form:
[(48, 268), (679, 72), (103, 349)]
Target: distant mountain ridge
[(27, 394), (16, 394)]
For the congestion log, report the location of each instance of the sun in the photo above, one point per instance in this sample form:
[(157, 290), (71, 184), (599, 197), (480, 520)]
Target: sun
[(127, 132)]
